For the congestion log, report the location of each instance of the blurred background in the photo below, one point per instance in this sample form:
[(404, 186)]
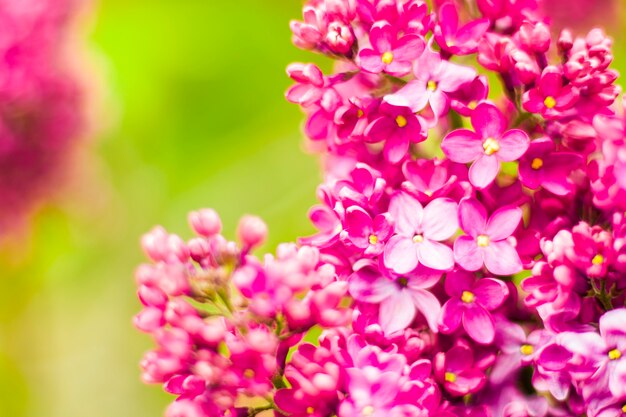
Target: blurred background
[(193, 116)]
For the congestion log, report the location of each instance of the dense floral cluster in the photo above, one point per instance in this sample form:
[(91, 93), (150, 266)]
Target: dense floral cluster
[(39, 102), (471, 253)]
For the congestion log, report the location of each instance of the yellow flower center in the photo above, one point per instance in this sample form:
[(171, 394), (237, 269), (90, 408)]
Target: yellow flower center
[(549, 102), (597, 260), (373, 239), (418, 238), (467, 297), (526, 350), (368, 410), (360, 113), (536, 163), (387, 58), (248, 373), (491, 146), (431, 85), (624, 409), (310, 410), (450, 377), (403, 282), (614, 354), (401, 121), (482, 241), (472, 105)]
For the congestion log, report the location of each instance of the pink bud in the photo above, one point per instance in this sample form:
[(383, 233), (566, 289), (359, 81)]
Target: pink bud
[(152, 296), (149, 319), (535, 36), (199, 249), (154, 243), (566, 40), (251, 231), (205, 222)]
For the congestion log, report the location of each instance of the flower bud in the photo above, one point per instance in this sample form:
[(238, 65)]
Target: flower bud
[(205, 222), (251, 231)]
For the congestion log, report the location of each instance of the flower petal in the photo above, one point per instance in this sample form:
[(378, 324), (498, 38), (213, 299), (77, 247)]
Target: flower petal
[(412, 95), (435, 255), (371, 61), (462, 146), (400, 255), (513, 144), (490, 293), (467, 253), (396, 312), (407, 213), (450, 318), (440, 219), (502, 259), (472, 217), (488, 121), (427, 304), (396, 146), (503, 222), (369, 286), (484, 170), (479, 324)]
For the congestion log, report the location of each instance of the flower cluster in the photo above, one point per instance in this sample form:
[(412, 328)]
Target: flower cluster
[(39, 102), (471, 252)]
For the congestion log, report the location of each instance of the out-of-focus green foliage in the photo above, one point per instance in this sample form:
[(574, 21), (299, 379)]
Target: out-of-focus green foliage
[(197, 90), (200, 121)]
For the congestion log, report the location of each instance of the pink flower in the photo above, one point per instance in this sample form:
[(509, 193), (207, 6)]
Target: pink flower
[(310, 84), (488, 146), (486, 241), (454, 39), (541, 166), (419, 233), (397, 127), (550, 97), (399, 297), (469, 95), (389, 54), (602, 356), (435, 79), (365, 233), (428, 179), (458, 373), (470, 304)]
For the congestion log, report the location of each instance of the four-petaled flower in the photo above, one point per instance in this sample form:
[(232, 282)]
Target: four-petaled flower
[(419, 233), (487, 147), (486, 240)]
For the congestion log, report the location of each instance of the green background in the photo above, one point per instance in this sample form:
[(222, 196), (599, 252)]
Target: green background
[(195, 95)]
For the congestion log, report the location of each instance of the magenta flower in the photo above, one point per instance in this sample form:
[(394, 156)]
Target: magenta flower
[(541, 166), (516, 348), (470, 303), (550, 97), (310, 84), (419, 233), (486, 241), (399, 297), (389, 54), (371, 393), (469, 95), (458, 373), (435, 79), (454, 39), (487, 147), (363, 188), (603, 355), (428, 179), (398, 127), (365, 233)]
